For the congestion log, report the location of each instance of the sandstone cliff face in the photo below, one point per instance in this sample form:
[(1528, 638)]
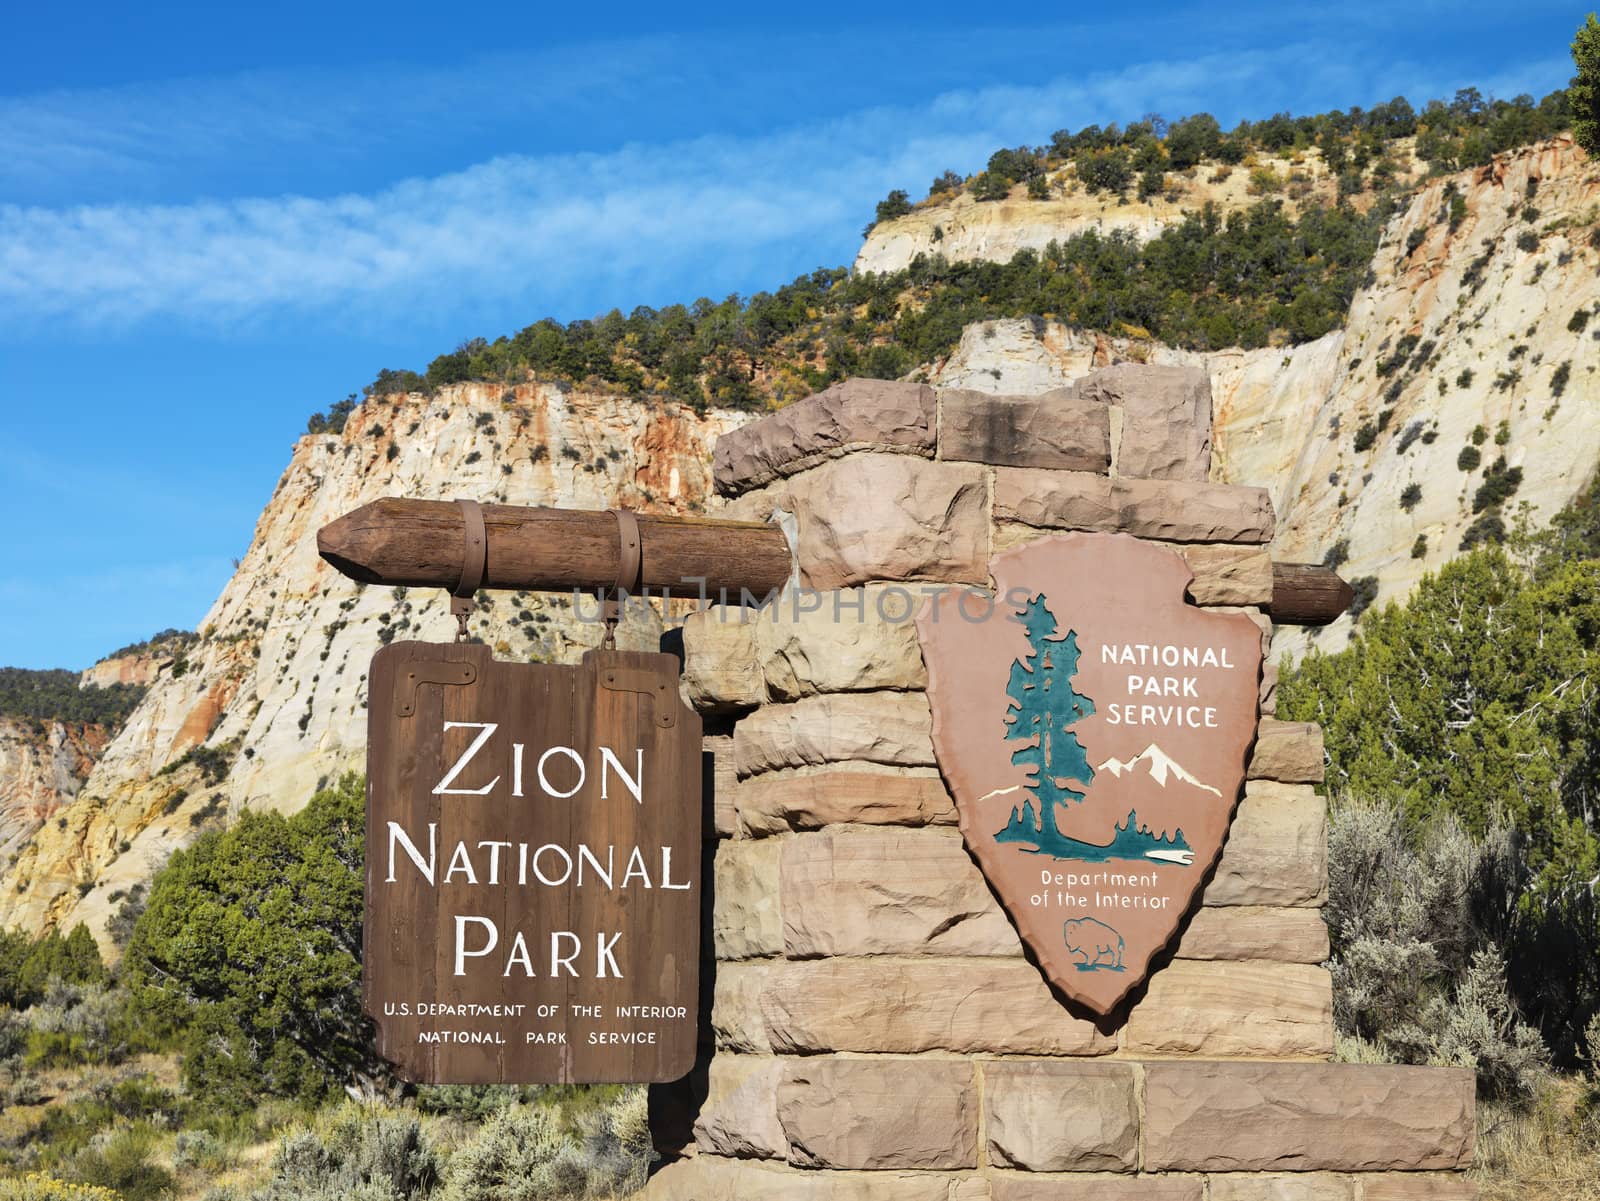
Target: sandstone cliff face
[(1482, 334), (960, 227), (138, 670), (42, 767), (271, 698)]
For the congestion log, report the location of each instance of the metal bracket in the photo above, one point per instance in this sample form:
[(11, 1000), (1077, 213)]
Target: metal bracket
[(646, 683), (434, 672)]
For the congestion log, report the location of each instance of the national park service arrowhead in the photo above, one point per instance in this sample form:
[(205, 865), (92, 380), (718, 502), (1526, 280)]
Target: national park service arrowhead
[(1094, 728)]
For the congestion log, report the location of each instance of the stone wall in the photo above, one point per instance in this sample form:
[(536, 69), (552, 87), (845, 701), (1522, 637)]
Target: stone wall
[(876, 1030)]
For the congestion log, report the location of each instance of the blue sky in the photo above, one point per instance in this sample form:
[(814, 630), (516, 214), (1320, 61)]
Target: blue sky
[(216, 219)]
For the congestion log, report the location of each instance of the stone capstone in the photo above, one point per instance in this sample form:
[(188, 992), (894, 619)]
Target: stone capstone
[(905, 1007), (879, 1114), (853, 415), (1051, 430), (1336, 1117), (1419, 1186), (1061, 1117), (1168, 511), (1166, 418)]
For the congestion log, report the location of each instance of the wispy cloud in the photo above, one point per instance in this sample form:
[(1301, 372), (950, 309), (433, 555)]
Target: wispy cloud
[(553, 225)]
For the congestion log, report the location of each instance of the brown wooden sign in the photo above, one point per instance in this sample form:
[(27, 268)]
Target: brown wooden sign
[(533, 867), (1094, 729)]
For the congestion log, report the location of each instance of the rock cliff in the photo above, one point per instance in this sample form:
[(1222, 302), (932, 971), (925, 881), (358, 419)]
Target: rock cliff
[(270, 700), (42, 767), (1466, 371), (960, 227)]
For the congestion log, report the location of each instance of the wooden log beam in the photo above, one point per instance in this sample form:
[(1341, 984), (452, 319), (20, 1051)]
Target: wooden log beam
[(1308, 594), (419, 544)]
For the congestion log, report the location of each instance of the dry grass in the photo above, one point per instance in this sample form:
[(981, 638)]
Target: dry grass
[(1548, 1152)]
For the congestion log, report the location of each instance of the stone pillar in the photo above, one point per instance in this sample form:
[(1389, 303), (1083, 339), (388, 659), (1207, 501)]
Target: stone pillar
[(879, 1034)]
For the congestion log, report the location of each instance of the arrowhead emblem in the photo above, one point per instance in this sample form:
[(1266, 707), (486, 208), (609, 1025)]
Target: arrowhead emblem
[(1094, 728)]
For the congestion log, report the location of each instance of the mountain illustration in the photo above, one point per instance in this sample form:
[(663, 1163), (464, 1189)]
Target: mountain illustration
[(1159, 765)]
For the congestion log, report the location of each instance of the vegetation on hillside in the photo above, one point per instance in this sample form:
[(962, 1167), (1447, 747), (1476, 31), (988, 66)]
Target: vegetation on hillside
[(1355, 145), (1261, 276), (41, 696)]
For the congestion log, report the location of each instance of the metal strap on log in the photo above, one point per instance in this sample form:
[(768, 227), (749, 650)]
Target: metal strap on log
[(419, 544)]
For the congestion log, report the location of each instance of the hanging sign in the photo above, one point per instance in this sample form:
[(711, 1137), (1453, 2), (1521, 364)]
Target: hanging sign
[(533, 867), (1094, 729)]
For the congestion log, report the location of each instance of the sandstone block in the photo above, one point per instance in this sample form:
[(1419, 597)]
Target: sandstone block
[(1275, 1010), (1312, 1186), (1244, 1117), (746, 923), (1052, 430), (721, 673), (879, 1114), (856, 414), (888, 892), (1419, 1186), (1288, 751), (854, 640), (736, 1021), (1166, 418), (809, 799), (740, 1114), (1096, 1188), (1061, 1117), (724, 779), (1277, 849), (890, 517), (711, 1178), (1269, 689), (905, 1007), (1170, 511), (1256, 932), (1229, 575), (894, 728)]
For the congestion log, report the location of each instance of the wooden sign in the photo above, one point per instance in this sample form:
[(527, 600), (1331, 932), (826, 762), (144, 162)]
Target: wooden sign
[(1094, 729), (533, 867)]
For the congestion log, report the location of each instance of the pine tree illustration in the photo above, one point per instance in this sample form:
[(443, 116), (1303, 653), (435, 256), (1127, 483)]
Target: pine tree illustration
[(1044, 706)]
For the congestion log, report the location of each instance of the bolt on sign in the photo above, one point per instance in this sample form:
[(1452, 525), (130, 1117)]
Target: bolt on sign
[(1094, 729), (533, 867)]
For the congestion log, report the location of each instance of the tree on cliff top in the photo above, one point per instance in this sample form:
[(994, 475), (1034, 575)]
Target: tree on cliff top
[(1584, 93)]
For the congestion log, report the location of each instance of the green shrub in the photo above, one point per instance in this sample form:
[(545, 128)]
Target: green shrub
[(248, 949), (529, 1153), (1419, 548), (1499, 484), (1469, 458), (1410, 496), (122, 1162), (1365, 437), (38, 1186), (354, 1154), (1415, 974)]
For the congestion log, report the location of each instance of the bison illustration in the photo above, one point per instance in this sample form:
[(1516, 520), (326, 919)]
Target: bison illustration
[(1095, 946)]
